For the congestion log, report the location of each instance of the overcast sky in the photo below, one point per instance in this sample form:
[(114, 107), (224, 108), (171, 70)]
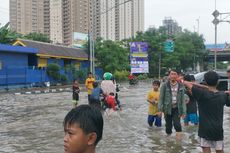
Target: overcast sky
[(185, 12)]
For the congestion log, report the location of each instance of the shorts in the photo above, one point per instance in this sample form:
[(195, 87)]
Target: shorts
[(218, 145), (152, 118), (75, 96), (193, 118)]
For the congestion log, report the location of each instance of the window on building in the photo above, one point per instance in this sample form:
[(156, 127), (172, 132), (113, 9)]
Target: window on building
[(42, 62)]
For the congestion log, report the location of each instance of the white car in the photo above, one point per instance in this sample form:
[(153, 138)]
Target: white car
[(224, 82)]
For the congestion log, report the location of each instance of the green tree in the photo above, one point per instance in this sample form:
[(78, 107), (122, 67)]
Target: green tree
[(37, 37), (188, 49), (8, 36), (111, 56)]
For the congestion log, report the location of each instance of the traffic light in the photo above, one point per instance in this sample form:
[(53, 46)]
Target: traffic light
[(169, 46)]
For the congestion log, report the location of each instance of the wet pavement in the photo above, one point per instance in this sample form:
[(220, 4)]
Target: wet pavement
[(33, 124)]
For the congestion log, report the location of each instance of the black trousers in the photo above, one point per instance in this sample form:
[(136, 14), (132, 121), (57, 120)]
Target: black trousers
[(173, 120), (88, 99)]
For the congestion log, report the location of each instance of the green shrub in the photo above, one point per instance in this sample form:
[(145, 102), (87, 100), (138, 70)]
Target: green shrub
[(142, 76), (121, 75), (63, 78), (80, 75), (76, 74), (53, 71)]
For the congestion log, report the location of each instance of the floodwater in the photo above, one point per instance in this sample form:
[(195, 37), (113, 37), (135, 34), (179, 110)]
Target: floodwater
[(33, 124)]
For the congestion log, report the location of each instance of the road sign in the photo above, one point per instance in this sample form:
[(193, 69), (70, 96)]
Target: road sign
[(169, 46)]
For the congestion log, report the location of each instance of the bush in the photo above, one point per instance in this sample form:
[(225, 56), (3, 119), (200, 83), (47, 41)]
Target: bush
[(80, 75), (76, 74), (142, 76), (63, 78), (121, 75), (53, 71)]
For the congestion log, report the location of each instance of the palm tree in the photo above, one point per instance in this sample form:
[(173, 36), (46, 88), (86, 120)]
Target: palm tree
[(8, 36)]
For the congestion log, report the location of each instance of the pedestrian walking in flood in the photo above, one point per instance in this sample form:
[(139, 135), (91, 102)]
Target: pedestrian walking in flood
[(172, 103), (211, 104), (95, 97), (89, 84), (76, 91), (191, 104), (152, 99)]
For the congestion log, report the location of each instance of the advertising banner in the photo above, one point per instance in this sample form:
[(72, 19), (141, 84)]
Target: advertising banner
[(79, 39), (139, 57)]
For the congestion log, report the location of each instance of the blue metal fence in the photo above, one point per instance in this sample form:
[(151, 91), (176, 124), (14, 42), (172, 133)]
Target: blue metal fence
[(30, 76), (22, 75)]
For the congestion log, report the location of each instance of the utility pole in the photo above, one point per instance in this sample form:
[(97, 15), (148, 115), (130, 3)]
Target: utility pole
[(159, 68), (198, 25)]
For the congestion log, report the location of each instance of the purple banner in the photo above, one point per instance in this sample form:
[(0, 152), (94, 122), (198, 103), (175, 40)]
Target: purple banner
[(139, 57), (138, 47)]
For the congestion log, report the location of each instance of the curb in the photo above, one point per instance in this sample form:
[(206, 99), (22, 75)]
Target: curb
[(44, 91)]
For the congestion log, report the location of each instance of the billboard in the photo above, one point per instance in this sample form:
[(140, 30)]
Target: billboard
[(79, 39), (218, 47), (139, 57)]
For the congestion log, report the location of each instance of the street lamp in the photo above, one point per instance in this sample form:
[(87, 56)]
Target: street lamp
[(215, 22)]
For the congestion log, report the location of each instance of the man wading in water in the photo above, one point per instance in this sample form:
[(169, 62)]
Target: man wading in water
[(172, 103)]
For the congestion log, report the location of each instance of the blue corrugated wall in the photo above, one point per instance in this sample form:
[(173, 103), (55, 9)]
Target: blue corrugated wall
[(13, 59), (16, 71)]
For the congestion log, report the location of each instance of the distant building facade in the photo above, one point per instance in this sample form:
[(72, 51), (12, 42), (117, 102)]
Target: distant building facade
[(109, 19), (27, 16), (171, 26)]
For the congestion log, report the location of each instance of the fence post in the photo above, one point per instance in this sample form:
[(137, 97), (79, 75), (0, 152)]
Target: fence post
[(25, 76), (41, 81), (7, 78)]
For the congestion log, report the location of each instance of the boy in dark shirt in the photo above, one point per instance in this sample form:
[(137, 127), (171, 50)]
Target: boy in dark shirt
[(211, 108)]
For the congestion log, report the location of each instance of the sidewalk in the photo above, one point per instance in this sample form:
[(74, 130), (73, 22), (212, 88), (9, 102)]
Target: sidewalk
[(39, 90)]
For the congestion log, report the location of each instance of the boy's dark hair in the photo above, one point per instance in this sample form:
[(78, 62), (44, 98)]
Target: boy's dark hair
[(157, 82), (95, 85), (175, 70), (192, 78), (187, 77), (111, 94), (211, 78), (88, 118), (89, 73)]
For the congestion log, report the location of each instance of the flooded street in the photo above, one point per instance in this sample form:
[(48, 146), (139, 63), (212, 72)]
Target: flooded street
[(33, 124)]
